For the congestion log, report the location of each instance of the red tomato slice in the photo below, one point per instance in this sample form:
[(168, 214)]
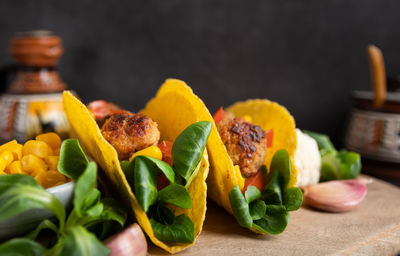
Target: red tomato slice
[(256, 180), (219, 115), (166, 148), (162, 181), (118, 111), (269, 134), (99, 108)]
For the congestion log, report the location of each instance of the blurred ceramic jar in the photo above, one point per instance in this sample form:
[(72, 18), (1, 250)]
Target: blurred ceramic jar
[(32, 103)]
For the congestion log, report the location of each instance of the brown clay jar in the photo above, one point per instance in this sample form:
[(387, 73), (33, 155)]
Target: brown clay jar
[(33, 101)]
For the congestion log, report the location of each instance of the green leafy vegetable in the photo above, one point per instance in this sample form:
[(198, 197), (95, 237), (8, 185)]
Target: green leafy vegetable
[(257, 209), (19, 193), (163, 167), (45, 224), (129, 170), (323, 141), (86, 195), (177, 195), (293, 199), (72, 161), (21, 247), (240, 207), (188, 148), (79, 242), (252, 193), (272, 193), (193, 176), (274, 222), (9, 181), (145, 183), (281, 163), (164, 215), (267, 211), (113, 211), (336, 164), (330, 166), (22, 197), (350, 164), (142, 175), (181, 230)]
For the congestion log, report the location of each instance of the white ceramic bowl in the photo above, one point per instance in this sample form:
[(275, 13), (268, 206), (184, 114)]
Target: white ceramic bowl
[(27, 221)]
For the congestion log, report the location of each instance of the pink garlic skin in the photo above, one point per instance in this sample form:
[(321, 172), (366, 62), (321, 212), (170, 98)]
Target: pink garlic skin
[(131, 241), (335, 196)]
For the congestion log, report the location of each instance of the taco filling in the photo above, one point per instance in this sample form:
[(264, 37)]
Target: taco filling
[(158, 185), (261, 200)]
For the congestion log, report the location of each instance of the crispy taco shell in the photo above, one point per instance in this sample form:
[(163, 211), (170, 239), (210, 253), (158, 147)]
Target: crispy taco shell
[(172, 120), (269, 115)]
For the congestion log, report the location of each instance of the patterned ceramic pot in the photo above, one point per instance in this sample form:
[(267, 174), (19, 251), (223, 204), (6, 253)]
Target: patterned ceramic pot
[(33, 102), (375, 132)]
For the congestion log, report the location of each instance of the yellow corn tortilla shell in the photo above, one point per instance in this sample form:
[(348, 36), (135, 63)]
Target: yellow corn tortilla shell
[(271, 115), (223, 175), (84, 127)]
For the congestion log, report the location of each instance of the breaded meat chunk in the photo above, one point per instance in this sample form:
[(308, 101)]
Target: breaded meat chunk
[(245, 143), (129, 133)]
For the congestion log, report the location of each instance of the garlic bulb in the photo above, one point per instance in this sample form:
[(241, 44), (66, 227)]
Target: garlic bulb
[(131, 241), (335, 196)]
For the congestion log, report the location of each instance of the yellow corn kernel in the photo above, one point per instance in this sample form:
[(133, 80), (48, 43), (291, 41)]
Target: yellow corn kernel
[(50, 178), (52, 162), (52, 139), (16, 150), (152, 151), (41, 178), (7, 156), (37, 172), (2, 165), (31, 163), (5, 146), (16, 168), (248, 118), (37, 148), (239, 177)]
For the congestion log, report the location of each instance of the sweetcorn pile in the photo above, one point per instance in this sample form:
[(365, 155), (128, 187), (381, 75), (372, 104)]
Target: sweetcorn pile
[(37, 158)]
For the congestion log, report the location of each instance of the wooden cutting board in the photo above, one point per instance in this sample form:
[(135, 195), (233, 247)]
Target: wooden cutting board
[(373, 228)]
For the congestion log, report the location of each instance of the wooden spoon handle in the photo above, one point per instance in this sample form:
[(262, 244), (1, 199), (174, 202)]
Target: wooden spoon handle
[(378, 74)]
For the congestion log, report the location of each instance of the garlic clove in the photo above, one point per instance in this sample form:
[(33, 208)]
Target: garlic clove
[(335, 196), (131, 241)]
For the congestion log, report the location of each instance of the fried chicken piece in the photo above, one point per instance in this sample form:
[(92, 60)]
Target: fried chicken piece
[(129, 133), (245, 143)]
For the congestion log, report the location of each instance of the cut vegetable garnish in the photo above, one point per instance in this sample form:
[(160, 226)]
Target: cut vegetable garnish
[(256, 180), (269, 134), (166, 148), (219, 115)]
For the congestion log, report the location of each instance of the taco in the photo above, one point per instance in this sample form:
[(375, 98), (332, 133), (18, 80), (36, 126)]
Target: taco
[(136, 151), (251, 151)]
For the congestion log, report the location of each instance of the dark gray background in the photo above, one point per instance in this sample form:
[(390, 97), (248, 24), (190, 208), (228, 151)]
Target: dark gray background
[(307, 55)]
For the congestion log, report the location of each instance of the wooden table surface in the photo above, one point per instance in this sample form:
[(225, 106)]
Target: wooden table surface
[(373, 228)]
